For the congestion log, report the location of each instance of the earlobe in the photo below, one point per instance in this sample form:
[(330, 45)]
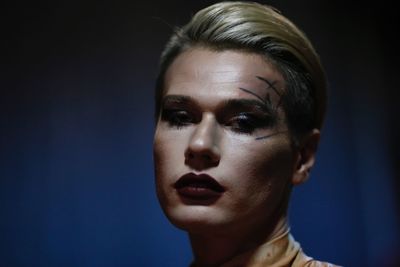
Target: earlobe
[(305, 157)]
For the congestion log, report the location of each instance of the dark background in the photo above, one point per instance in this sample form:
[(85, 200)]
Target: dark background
[(76, 118)]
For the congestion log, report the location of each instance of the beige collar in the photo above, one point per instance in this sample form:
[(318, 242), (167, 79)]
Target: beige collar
[(281, 251)]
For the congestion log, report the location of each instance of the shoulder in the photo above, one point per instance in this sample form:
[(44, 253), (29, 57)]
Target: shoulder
[(302, 260)]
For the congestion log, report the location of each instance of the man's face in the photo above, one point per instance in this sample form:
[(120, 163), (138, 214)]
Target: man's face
[(222, 151)]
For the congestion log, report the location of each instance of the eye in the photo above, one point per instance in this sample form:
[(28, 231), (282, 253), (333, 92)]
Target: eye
[(247, 123), (176, 117)]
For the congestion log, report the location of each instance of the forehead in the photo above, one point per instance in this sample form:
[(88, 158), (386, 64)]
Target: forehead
[(204, 72)]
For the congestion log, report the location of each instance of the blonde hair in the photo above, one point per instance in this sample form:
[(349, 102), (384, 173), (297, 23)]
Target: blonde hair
[(261, 29)]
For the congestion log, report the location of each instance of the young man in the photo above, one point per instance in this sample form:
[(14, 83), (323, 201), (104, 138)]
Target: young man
[(240, 102)]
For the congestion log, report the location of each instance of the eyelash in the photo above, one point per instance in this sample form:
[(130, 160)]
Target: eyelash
[(243, 123), (177, 118), (247, 123)]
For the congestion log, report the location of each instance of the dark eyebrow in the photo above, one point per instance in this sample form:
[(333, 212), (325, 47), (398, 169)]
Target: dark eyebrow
[(252, 93), (176, 99), (249, 104)]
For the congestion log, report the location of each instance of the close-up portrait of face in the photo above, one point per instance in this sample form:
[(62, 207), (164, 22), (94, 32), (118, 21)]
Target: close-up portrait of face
[(239, 105), (222, 148)]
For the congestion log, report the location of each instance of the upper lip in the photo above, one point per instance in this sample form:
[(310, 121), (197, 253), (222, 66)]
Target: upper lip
[(192, 179)]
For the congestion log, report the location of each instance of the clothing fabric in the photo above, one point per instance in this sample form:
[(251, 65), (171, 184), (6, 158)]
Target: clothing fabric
[(282, 251)]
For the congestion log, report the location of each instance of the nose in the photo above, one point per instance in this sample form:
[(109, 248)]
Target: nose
[(203, 151)]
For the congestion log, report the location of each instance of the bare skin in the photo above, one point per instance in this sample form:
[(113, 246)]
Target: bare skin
[(221, 119)]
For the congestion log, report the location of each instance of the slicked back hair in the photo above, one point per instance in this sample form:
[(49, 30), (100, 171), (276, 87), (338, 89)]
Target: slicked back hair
[(256, 28)]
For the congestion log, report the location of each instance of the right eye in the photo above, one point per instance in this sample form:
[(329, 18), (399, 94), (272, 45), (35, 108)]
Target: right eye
[(177, 118)]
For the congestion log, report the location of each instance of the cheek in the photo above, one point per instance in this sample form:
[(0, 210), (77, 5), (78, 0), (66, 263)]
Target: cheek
[(262, 169), (168, 154), (160, 156)]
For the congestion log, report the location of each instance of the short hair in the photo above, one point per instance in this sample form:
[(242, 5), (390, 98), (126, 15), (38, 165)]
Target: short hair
[(261, 29)]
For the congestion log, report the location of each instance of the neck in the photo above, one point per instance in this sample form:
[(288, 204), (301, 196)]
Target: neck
[(213, 250)]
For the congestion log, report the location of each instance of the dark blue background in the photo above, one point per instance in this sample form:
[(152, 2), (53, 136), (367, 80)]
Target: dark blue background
[(76, 118)]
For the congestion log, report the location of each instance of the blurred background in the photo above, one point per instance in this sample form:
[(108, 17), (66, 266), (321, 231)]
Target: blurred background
[(76, 118)]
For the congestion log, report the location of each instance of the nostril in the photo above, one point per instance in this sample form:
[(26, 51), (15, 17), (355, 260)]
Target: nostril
[(188, 154), (201, 159), (207, 157)]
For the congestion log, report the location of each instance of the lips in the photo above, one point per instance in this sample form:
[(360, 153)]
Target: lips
[(198, 187)]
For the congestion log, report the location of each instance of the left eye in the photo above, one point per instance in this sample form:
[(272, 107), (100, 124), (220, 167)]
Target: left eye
[(246, 123), (177, 118)]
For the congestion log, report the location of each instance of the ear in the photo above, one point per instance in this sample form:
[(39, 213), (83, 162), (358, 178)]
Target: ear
[(305, 156)]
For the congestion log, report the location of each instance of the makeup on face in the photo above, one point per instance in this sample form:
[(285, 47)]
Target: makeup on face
[(221, 147), (198, 188), (242, 116)]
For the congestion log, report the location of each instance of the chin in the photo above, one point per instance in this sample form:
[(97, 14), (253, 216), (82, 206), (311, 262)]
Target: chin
[(196, 219)]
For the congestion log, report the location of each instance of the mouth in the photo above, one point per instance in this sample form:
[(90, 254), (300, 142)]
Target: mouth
[(198, 187)]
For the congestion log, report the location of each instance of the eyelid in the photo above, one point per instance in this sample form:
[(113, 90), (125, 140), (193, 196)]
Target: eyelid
[(246, 123), (252, 113), (176, 118), (250, 105), (224, 112)]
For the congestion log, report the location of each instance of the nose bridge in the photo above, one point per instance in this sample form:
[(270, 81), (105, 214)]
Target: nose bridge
[(205, 136), (203, 149)]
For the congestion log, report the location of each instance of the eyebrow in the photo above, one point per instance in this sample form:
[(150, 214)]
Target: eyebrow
[(249, 104), (238, 104), (177, 99), (252, 93), (228, 104), (265, 102)]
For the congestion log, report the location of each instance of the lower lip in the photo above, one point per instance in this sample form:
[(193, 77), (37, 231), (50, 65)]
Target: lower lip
[(198, 193)]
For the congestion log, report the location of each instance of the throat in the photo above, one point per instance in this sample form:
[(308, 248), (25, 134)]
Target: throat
[(233, 249)]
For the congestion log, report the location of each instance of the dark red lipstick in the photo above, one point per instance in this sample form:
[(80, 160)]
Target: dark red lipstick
[(198, 187)]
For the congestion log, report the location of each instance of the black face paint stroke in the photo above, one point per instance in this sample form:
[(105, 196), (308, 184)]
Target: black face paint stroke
[(268, 136), (267, 101), (254, 94), (271, 85)]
